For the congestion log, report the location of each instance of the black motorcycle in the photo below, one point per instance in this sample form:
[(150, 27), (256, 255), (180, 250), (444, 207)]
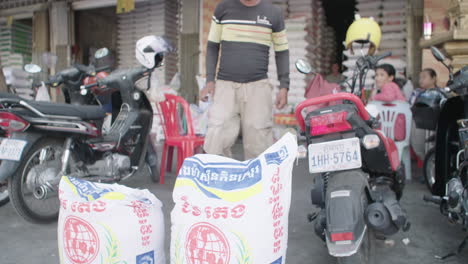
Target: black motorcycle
[(49, 140), (449, 115)]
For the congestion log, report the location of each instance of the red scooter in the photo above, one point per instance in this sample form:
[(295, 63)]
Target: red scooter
[(358, 176)]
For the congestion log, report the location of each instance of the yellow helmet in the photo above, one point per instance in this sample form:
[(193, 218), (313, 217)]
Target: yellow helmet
[(364, 30)]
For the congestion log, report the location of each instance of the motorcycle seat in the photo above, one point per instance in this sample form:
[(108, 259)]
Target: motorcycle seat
[(85, 112), (9, 96)]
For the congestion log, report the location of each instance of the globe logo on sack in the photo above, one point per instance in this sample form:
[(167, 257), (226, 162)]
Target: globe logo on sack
[(81, 240), (146, 258), (206, 243), (86, 189), (216, 177), (277, 157)]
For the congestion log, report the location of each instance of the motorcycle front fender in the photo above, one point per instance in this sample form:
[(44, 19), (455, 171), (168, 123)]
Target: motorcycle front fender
[(345, 205), (9, 167)]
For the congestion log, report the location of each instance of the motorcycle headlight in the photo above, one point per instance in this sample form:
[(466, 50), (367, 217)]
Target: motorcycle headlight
[(371, 141)]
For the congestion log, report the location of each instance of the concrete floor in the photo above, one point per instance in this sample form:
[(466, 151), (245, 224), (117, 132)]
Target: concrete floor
[(430, 234)]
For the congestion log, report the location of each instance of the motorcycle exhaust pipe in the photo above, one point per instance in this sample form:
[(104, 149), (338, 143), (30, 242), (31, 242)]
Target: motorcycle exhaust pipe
[(378, 218)]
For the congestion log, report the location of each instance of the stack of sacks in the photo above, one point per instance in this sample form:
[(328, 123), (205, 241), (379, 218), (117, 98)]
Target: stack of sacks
[(15, 44), (283, 5), (370, 8), (297, 49), (15, 52), (148, 18), (329, 49), (317, 38), (299, 8), (19, 81), (394, 34)]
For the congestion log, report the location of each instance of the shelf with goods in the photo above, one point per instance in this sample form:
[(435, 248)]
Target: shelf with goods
[(15, 52)]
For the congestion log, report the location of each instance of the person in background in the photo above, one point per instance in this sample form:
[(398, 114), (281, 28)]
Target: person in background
[(335, 76), (241, 34), (388, 91), (427, 80)]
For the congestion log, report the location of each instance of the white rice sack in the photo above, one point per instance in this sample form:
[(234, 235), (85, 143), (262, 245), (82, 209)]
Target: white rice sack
[(375, 5), (393, 20), (394, 13), (393, 36), (393, 44), (394, 5), (227, 211), (350, 63), (103, 223), (393, 28), (397, 63)]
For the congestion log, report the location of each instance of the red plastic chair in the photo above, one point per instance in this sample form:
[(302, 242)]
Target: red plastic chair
[(185, 144)]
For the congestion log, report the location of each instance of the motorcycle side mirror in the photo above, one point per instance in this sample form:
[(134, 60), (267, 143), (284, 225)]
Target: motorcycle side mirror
[(437, 54), (101, 53), (303, 66), (372, 110), (32, 68)]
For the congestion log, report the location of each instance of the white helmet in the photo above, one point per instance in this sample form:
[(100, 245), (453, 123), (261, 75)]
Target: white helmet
[(150, 50)]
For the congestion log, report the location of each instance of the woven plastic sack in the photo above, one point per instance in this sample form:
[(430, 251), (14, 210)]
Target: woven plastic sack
[(227, 211), (103, 223)]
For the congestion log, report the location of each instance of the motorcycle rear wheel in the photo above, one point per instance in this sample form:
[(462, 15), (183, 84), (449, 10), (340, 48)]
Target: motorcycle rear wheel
[(21, 185), (365, 254)]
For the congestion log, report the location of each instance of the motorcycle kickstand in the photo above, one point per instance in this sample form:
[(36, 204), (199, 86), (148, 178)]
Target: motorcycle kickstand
[(458, 251), (312, 216)]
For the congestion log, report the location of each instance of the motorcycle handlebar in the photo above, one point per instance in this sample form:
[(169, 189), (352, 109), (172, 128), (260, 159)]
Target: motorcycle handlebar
[(432, 199), (373, 60), (383, 55), (103, 68), (89, 86)]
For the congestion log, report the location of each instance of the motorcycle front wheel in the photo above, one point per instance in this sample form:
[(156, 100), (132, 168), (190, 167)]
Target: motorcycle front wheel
[(39, 166), (4, 197), (429, 169)]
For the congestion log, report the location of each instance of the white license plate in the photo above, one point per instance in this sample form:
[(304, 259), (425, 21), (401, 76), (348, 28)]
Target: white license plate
[(11, 149), (335, 155)]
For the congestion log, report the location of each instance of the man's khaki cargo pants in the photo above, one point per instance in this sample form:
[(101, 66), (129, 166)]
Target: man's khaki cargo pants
[(240, 104)]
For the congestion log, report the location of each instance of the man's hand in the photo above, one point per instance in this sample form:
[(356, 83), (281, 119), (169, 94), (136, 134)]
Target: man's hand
[(208, 90), (281, 98)]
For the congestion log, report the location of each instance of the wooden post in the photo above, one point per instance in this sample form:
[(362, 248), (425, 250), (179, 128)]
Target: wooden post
[(60, 39), (40, 40), (414, 18), (189, 47)]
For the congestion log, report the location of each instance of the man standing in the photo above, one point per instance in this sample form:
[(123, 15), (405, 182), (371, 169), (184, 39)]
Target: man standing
[(242, 31)]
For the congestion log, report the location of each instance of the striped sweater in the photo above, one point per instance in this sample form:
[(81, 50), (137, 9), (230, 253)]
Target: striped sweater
[(242, 36)]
